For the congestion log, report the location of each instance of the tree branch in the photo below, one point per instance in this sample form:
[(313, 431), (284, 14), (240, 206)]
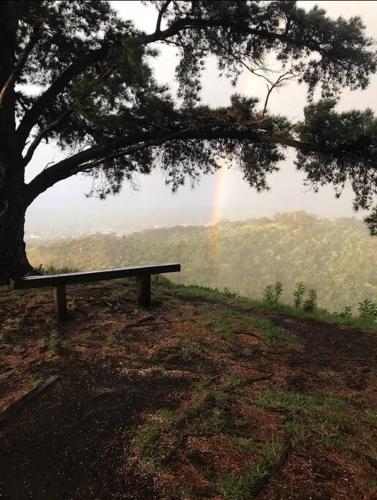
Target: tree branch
[(160, 14), (37, 140), (93, 156), (80, 65), (10, 83), (278, 83), (126, 151), (31, 117)]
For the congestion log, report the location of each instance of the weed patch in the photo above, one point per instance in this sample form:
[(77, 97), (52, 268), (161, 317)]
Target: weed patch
[(53, 342)]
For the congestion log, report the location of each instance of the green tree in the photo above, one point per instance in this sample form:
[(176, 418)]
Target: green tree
[(97, 100), (336, 258)]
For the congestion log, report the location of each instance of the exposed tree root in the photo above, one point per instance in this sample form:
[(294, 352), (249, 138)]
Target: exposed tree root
[(20, 404)]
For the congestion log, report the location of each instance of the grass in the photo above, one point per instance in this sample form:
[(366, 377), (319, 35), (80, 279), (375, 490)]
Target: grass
[(249, 445), (223, 329), (54, 342), (318, 314), (370, 418), (371, 485), (230, 380), (19, 293), (8, 337), (207, 414), (227, 324), (271, 451), (147, 442), (182, 353), (274, 336), (193, 350), (10, 328), (318, 419), (56, 270), (116, 294), (244, 486), (156, 441)]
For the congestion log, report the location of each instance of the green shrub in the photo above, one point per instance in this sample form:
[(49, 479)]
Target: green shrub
[(299, 293), (272, 293), (269, 293), (346, 313), (228, 293), (310, 303), (368, 310), (278, 290)]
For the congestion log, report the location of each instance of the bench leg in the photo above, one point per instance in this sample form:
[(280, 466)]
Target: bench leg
[(144, 290), (60, 303)]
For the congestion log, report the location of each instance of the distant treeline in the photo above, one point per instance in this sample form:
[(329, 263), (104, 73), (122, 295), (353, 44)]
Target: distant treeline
[(337, 258)]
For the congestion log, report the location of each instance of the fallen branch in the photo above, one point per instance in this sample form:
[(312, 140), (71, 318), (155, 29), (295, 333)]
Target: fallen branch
[(140, 322), (242, 382), (356, 360), (259, 379), (20, 404)]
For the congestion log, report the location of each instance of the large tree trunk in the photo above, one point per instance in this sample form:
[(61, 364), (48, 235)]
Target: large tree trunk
[(13, 260)]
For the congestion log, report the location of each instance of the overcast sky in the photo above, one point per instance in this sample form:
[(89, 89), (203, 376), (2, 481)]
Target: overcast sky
[(65, 206)]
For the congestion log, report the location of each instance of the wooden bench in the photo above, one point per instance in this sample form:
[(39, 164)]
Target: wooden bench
[(59, 281)]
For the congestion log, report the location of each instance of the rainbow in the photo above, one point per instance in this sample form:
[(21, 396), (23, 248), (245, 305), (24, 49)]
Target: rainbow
[(221, 192), (219, 195)]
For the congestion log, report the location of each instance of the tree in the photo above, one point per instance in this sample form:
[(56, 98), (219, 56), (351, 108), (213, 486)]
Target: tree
[(96, 99)]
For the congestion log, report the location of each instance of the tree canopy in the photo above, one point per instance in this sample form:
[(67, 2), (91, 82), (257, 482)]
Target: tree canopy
[(94, 93)]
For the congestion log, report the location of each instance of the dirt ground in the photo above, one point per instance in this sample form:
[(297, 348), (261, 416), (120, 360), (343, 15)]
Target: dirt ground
[(193, 398)]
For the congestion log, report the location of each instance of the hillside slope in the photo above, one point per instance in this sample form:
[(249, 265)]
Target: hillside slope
[(337, 258), (198, 397)]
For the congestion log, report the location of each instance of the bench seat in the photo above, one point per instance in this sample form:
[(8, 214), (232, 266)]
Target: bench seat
[(58, 281)]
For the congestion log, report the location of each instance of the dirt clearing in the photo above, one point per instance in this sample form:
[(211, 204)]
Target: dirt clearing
[(190, 399)]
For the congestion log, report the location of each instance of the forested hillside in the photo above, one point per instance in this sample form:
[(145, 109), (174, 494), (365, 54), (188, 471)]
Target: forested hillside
[(337, 258)]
